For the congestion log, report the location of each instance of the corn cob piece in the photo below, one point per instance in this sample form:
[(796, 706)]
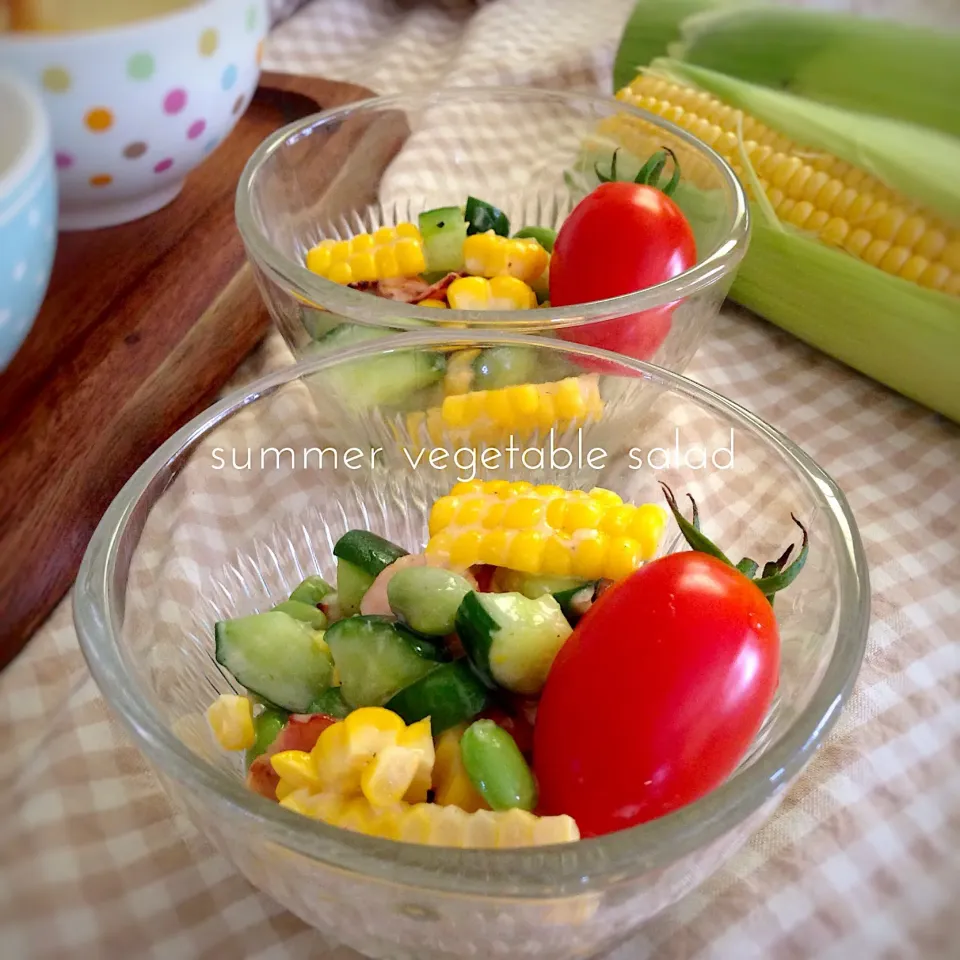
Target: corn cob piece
[(544, 530), (386, 253), (500, 293), (231, 720), (490, 255), (834, 201), (488, 415), (432, 824)]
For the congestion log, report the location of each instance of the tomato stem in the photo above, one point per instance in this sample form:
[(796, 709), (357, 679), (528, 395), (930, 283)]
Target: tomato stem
[(776, 574), (649, 174)]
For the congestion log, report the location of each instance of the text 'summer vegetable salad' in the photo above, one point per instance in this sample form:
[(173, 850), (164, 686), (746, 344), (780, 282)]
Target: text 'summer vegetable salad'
[(533, 676), (622, 237)]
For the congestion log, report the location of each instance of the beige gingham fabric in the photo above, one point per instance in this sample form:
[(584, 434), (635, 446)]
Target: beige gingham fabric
[(862, 861)]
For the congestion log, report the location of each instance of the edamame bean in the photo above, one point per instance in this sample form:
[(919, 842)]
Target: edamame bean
[(426, 598), (496, 767), (266, 726)]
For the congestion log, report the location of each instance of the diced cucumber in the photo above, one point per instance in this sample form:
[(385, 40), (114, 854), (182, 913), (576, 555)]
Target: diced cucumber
[(275, 656), (305, 612), (376, 658), (543, 235), (510, 639), (367, 551), (331, 703), (349, 335), (574, 594), (352, 584), (448, 695), (498, 367), (426, 599), (443, 231), (482, 216), (384, 379), (576, 601), (312, 590), (266, 726)]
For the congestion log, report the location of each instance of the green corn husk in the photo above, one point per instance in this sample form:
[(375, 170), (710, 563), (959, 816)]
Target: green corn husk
[(652, 27), (920, 163), (874, 66), (895, 331), (892, 330)]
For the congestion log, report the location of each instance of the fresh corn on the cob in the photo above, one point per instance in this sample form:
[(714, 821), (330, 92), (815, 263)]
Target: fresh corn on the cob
[(385, 253), (544, 530), (841, 205), (489, 415), (433, 824), (500, 293), (490, 255), (231, 719)]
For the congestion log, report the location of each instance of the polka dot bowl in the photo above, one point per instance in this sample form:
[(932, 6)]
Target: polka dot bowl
[(135, 108), (28, 211)]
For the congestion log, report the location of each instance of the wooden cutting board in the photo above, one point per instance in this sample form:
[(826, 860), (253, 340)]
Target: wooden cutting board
[(143, 324)]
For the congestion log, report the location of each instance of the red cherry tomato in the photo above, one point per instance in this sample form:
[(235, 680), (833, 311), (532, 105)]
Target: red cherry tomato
[(621, 238), (657, 694)]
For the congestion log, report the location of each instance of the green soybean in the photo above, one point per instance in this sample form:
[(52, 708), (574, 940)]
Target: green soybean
[(426, 599), (266, 726), (496, 767)]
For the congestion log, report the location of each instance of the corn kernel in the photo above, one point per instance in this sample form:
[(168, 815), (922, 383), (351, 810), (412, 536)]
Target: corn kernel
[(297, 768), (318, 259), (340, 272), (523, 512), (384, 235), (363, 267), (435, 304), (467, 486), (388, 777), (231, 719), (494, 516), (386, 263), (451, 784), (588, 556), (526, 551), (442, 513), (583, 515), (647, 527), (466, 549), (284, 789), (624, 555), (408, 231), (493, 548), (419, 738)]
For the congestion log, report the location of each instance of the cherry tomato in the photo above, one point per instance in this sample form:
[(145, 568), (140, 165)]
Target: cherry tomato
[(656, 695), (621, 238)]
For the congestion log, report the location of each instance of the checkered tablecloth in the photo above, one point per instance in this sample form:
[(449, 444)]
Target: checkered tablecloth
[(863, 858)]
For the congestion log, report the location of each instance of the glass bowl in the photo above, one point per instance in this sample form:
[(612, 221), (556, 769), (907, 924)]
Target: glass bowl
[(533, 153), (249, 498)]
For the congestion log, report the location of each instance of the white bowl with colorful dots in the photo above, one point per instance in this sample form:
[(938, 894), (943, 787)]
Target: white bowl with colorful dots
[(28, 211), (135, 108)]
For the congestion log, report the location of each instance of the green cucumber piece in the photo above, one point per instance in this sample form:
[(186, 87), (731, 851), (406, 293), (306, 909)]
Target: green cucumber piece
[(498, 367), (443, 231), (367, 551), (305, 612), (543, 235), (352, 584), (385, 379), (349, 335), (331, 703), (426, 599), (266, 726), (377, 657), (510, 639), (448, 695), (312, 590), (276, 657), (576, 601), (482, 216)]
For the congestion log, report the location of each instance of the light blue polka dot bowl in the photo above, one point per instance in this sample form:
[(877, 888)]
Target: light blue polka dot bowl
[(135, 107), (28, 211)]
